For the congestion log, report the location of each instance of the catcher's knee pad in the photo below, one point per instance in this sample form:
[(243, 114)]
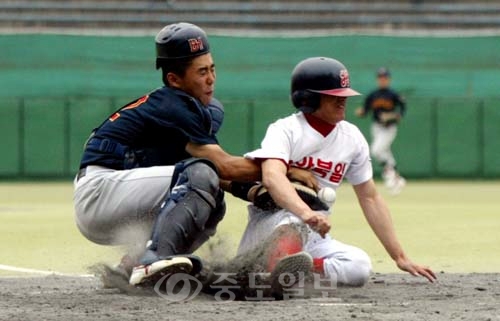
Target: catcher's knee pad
[(204, 179), (197, 174), (194, 205)]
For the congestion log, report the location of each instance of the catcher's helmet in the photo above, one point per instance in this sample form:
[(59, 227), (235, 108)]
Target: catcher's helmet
[(180, 41), (319, 75)]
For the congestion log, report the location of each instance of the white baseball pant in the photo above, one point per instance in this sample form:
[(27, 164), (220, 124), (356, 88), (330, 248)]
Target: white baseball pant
[(382, 139), (346, 264), (110, 202)]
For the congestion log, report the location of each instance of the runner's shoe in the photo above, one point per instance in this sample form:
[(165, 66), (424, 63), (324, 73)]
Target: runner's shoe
[(289, 271)]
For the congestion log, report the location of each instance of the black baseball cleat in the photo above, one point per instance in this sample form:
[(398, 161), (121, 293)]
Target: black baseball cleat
[(289, 271)]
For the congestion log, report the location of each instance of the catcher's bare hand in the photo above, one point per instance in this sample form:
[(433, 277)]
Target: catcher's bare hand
[(303, 176), (407, 265), (318, 222)]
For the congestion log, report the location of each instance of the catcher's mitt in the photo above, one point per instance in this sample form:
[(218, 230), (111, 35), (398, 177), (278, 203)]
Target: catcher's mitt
[(263, 200), (388, 118)]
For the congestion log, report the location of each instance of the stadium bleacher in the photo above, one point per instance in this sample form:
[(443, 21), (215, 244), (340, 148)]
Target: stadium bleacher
[(257, 14)]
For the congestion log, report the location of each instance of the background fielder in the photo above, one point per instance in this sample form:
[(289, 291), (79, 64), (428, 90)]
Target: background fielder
[(388, 108), (318, 138)]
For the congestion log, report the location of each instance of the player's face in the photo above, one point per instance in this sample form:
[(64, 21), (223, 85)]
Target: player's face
[(332, 108), (199, 79), (383, 81)]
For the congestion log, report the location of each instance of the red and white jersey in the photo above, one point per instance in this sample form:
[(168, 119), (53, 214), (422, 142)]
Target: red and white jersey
[(333, 155)]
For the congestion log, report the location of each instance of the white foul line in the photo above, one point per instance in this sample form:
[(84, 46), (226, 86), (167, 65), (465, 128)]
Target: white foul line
[(39, 272), (342, 304)]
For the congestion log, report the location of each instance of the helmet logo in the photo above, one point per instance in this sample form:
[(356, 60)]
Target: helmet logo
[(344, 79), (196, 44)]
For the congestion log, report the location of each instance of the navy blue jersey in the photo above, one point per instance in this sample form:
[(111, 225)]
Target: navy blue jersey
[(383, 101), (153, 131)]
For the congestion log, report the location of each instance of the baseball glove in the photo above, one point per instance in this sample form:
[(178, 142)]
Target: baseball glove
[(263, 200), (388, 118)]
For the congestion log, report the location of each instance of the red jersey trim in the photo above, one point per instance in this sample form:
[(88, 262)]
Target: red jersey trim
[(319, 125)]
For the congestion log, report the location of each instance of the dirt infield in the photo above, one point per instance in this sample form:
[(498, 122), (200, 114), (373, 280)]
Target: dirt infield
[(385, 297)]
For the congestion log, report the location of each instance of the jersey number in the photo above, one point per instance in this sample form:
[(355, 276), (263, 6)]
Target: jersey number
[(133, 105)]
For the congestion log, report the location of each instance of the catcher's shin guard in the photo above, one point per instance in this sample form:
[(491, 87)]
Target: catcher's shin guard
[(194, 204), (211, 225)]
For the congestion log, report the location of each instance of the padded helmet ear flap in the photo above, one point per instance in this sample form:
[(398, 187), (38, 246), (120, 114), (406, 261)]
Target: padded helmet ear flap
[(305, 100)]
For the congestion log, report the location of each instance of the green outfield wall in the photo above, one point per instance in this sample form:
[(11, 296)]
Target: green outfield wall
[(55, 89)]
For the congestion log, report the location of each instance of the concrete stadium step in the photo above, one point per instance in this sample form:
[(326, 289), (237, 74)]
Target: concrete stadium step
[(269, 20), (256, 14), (239, 7)]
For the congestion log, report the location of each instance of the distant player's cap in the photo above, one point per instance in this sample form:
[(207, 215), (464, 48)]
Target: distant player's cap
[(383, 72), (179, 41)]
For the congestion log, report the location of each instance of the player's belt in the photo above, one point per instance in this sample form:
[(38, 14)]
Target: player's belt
[(81, 173), (90, 170)]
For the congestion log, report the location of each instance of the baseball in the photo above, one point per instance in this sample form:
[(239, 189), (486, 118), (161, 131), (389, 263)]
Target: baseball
[(327, 195)]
